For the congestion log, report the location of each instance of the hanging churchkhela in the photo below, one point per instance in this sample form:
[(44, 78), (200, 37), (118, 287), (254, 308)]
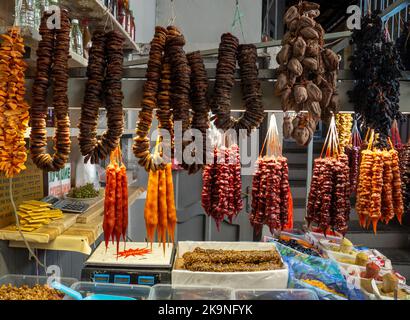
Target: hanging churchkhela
[(160, 212), (344, 124), (222, 185), (376, 68), (404, 160), (167, 88), (115, 222), (229, 51), (14, 110), (379, 191), (104, 74), (307, 74), (271, 196), (329, 196), (52, 53), (352, 150)]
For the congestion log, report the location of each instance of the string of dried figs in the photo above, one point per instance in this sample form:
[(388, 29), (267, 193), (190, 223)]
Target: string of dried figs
[(200, 106), (104, 74), (141, 147), (53, 54), (307, 74), (14, 109), (229, 51), (180, 87)]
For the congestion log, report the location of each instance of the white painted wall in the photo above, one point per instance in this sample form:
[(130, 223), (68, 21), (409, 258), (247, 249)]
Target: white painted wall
[(204, 21), (144, 13)]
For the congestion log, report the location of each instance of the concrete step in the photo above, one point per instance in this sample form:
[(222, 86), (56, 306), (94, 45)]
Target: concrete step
[(292, 146), (298, 189), (297, 174), (296, 158), (299, 214)]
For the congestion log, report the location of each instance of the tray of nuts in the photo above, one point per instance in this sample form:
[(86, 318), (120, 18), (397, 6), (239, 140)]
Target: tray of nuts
[(22, 287)]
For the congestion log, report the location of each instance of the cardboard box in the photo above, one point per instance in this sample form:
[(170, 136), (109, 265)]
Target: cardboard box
[(28, 185), (272, 279)]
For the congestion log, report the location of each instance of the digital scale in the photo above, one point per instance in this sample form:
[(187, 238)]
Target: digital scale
[(66, 205), (148, 269)]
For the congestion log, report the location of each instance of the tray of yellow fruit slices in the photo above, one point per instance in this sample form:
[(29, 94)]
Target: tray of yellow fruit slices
[(39, 223)]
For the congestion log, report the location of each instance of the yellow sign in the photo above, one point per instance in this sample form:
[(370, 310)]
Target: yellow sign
[(28, 185)]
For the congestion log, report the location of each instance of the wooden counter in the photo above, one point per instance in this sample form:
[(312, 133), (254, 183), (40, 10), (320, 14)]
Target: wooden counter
[(82, 234)]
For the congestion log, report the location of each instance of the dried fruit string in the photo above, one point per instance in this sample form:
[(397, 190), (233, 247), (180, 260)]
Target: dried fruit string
[(13, 107), (52, 53), (104, 74)]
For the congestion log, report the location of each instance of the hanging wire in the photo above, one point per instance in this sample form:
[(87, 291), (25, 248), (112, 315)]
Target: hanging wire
[(238, 19), (18, 225)]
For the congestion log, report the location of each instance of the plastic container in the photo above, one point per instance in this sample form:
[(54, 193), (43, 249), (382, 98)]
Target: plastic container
[(134, 291), (315, 237), (76, 38), (19, 280), (169, 292), (268, 279), (287, 294)]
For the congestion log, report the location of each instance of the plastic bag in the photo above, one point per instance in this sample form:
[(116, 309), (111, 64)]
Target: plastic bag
[(302, 266), (86, 173)]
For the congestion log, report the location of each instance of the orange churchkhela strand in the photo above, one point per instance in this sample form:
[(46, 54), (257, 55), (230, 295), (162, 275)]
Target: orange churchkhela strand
[(379, 189), (116, 200), (160, 213)]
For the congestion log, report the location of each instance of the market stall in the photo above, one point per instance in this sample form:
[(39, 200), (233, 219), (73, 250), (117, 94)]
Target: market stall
[(83, 118)]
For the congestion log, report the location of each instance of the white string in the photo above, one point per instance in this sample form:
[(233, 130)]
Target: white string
[(18, 226), (16, 14), (173, 17), (106, 13)]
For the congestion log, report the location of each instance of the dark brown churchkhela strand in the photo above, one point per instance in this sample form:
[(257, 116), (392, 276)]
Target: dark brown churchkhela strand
[(104, 74), (53, 54)]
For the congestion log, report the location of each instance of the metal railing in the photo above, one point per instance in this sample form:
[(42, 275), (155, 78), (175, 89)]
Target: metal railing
[(394, 13)]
